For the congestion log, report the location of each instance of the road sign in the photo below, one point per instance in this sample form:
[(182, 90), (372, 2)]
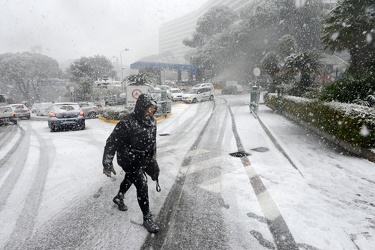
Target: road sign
[(133, 92)]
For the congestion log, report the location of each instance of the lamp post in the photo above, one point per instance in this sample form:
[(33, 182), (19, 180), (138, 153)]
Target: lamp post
[(122, 69)]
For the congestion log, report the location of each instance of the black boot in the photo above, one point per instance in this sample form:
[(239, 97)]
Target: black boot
[(119, 201), (149, 224)]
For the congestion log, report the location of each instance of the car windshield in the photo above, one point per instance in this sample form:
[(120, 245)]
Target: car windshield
[(18, 106), (175, 91), (67, 107)]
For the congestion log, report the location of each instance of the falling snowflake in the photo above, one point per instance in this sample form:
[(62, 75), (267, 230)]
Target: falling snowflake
[(368, 37), (364, 131), (334, 36)]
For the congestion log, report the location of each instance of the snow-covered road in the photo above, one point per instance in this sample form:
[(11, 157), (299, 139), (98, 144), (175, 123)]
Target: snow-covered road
[(54, 195)]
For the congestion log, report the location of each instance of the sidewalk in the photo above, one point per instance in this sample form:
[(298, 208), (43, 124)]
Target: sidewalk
[(296, 141), (338, 184)]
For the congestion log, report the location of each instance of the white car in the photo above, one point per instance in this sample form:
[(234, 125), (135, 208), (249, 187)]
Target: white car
[(204, 85), (175, 94), (198, 95), (43, 109)]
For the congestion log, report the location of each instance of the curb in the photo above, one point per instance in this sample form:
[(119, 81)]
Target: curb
[(278, 145), (358, 151)]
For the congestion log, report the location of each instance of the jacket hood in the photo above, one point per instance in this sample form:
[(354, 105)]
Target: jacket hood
[(143, 101)]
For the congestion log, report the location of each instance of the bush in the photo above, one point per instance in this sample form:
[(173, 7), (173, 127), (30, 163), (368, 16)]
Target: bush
[(113, 113), (351, 123), (350, 89)]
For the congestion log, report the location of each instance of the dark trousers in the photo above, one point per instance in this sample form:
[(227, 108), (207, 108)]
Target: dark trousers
[(139, 179)]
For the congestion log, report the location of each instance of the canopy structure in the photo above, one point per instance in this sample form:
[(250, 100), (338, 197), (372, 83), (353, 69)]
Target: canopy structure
[(156, 67)]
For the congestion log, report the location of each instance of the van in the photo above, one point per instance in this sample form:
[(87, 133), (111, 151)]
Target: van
[(198, 94), (204, 85)]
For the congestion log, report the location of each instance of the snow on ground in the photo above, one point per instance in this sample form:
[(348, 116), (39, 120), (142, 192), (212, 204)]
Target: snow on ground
[(327, 202)]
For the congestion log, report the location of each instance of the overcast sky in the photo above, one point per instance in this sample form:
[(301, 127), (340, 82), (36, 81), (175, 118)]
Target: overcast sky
[(68, 29)]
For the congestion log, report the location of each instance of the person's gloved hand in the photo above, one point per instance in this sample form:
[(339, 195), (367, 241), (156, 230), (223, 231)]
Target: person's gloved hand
[(108, 169), (155, 170)]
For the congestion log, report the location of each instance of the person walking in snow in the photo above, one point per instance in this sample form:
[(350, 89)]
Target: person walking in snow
[(134, 141)]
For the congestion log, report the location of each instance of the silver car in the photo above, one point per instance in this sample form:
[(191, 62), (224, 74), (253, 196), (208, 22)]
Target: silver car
[(20, 111), (89, 110)]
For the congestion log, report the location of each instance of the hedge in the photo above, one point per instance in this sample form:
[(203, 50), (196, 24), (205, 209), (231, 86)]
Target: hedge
[(351, 123)]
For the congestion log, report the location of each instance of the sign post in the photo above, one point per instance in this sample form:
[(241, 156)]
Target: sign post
[(255, 94)]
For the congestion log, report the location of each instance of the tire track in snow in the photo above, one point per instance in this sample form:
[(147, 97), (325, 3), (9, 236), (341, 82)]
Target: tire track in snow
[(183, 123), (25, 223), (283, 238), (10, 142), (15, 163), (168, 212), (10, 204)]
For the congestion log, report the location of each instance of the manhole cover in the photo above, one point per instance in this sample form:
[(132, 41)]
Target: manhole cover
[(164, 134), (239, 154), (260, 149)]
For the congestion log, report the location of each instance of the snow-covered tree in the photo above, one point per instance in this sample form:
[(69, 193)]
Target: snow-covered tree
[(84, 71), (302, 20), (286, 46), (214, 21), (25, 71), (211, 40), (307, 65), (351, 26), (97, 67)]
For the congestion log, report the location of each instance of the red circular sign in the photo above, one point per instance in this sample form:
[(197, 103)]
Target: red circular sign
[(136, 93)]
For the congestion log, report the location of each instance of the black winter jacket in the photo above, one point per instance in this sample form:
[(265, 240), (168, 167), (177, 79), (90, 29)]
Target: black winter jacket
[(133, 138)]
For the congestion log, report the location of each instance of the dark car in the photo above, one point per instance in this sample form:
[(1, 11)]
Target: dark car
[(66, 116), (232, 89)]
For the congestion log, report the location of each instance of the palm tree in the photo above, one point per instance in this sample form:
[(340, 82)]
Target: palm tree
[(350, 26), (307, 64), (270, 64)]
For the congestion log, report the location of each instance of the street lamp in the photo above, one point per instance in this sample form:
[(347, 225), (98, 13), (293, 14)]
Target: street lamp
[(122, 69)]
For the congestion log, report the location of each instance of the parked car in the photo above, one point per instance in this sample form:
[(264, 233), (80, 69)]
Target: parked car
[(20, 111), (7, 115), (34, 107), (98, 105), (43, 109), (163, 87), (114, 100), (89, 109), (175, 94), (232, 89), (64, 116), (198, 95), (204, 85)]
